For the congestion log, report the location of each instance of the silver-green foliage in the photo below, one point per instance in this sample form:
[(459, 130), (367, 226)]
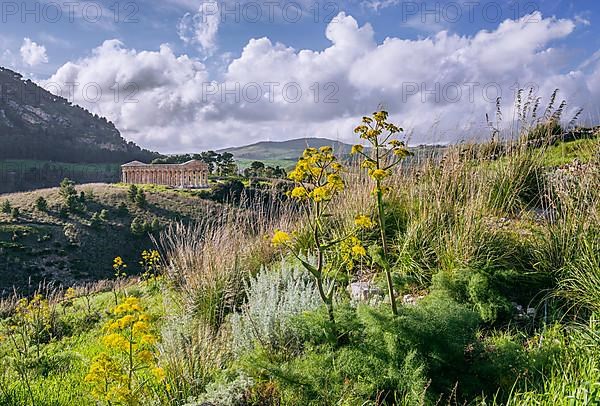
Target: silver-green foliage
[(275, 296)]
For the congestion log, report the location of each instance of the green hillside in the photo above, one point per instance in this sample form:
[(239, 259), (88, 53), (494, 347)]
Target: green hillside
[(284, 150), (67, 247)]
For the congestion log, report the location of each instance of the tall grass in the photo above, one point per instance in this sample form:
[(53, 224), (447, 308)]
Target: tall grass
[(207, 264), (486, 224)]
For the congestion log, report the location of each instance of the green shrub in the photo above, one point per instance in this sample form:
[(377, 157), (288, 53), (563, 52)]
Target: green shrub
[(132, 193), (103, 215), (140, 199), (41, 204), (138, 226), (6, 207), (274, 298), (382, 357), (95, 220)]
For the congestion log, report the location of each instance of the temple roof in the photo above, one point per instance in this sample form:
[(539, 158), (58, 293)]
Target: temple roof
[(192, 162), (134, 163)]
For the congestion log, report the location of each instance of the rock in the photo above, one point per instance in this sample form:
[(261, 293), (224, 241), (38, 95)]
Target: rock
[(363, 291)]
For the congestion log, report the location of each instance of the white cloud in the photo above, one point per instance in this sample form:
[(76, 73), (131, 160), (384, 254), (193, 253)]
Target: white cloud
[(201, 28), (33, 54), (182, 107)]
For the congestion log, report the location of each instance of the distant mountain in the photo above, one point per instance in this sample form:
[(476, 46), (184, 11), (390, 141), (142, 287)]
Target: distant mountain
[(37, 125), (284, 150)]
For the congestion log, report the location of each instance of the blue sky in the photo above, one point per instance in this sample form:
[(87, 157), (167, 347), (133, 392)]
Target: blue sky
[(177, 53)]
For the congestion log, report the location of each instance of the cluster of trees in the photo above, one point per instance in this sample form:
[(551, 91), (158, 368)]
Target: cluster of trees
[(218, 164), (258, 169)]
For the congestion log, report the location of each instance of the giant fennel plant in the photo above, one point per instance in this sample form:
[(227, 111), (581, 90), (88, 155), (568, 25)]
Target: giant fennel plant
[(318, 180), (386, 152)]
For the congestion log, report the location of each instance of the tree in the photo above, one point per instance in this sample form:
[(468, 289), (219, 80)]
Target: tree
[(15, 213), (41, 204), (257, 166), (140, 199), (6, 207), (132, 193), (210, 159), (138, 227), (69, 194), (226, 164), (228, 192), (67, 188)]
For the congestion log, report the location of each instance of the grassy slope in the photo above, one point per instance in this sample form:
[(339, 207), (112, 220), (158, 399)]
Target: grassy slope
[(81, 326), (35, 245)]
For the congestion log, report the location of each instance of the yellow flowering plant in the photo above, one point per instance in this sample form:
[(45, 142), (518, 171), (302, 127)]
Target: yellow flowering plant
[(151, 264), (129, 364), (119, 266), (318, 180), (386, 153), (29, 327)]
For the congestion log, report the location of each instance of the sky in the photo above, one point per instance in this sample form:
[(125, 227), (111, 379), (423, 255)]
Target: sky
[(188, 75)]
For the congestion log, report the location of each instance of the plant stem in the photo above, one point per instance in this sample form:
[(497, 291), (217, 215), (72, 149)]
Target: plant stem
[(388, 273), (327, 299), (381, 217)]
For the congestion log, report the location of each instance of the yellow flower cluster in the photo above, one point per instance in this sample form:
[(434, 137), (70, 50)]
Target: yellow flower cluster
[(280, 238), (130, 357), (150, 261), (364, 222), (109, 383), (119, 267), (34, 313), (372, 130), (318, 175), (351, 251)]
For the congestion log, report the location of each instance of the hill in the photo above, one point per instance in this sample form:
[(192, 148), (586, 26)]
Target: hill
[(67, 247), (284, 150), (37, 125)]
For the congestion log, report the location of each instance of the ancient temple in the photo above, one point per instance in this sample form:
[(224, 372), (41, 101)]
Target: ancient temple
[(190, 174)]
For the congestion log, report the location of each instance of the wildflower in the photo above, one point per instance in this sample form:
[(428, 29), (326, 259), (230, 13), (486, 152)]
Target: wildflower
[(369, 163), (359, 251), (356, 149), (296, 175), (145, 356), (70, 294), (362, 221), (360, 129), (299, 192), (280, 238), (335, 181), (118, 263), (148, 339), (116, 341), (378, 174), (159, 373), (320, 194)]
